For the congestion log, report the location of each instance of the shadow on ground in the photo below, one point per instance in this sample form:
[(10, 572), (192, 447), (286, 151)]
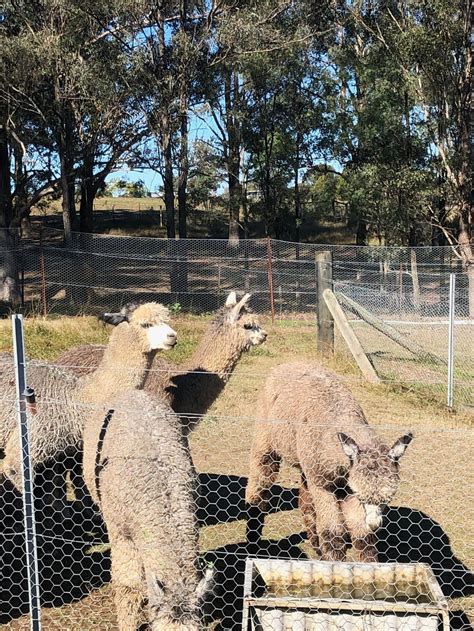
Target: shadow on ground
[(71, 569), (68, 567)]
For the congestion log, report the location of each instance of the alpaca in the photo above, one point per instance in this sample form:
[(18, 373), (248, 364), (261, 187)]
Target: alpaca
[(138, 470), (44, 378), (46, 381), (56, 429), (54, 389), (309, 418), (192, 388)]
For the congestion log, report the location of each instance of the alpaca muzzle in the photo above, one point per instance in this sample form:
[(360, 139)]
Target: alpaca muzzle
[(373, 516), (162, 337)]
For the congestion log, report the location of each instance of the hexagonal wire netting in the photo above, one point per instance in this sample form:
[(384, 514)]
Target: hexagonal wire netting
[(267, 503)]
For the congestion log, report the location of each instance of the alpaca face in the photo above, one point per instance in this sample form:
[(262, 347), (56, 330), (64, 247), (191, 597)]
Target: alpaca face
[(150, 323), (161, 337), (244, 323), (179, 608), (374, 474)]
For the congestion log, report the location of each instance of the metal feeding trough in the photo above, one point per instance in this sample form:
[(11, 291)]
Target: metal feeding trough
[(284, 595)]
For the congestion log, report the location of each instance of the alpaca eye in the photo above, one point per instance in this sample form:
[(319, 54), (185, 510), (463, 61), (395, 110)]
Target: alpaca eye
[(147, 325), (249, 327)]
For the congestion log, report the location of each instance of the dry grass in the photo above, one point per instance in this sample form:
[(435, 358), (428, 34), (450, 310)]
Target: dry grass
[(437, 470)]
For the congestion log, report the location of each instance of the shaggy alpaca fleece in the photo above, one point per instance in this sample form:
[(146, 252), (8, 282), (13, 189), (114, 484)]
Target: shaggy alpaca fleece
[(137, 468), (309, 418), (54, 389)]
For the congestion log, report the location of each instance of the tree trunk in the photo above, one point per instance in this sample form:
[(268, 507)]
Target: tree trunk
[(183, 179), (168, 181), (66, 160), (297, 192), (182, 267), (361, 236), (231, 92), (183, 151), (88, 192), (9, 285), (6, 206)]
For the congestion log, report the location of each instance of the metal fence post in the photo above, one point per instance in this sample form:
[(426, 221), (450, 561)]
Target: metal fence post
[(452, 309), (27, 476)]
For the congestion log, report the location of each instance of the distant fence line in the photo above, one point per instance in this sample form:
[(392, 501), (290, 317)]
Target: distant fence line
[(115, 268)]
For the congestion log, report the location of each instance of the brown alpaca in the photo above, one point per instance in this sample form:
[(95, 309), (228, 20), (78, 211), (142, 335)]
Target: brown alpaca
[(309, 418), (190, 389)]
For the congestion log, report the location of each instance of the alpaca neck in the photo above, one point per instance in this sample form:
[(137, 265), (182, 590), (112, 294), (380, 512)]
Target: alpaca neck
[(124, 366), (218, 352)]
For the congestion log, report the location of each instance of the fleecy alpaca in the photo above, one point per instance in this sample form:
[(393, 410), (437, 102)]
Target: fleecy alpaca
[(144, 483), (57, 427), (193, 387), (309, 418)]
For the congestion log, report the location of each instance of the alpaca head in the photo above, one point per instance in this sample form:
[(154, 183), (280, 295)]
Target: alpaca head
[(149, 321), (178, 608), (237, 320), (374, 474)]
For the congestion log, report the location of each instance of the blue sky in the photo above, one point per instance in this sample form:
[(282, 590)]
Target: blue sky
[(199, 129)]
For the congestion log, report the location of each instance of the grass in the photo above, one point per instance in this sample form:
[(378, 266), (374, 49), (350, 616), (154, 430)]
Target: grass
[(436, 471), (131, 216)]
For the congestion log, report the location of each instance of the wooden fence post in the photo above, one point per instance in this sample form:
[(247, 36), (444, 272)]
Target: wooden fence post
[(415, 280), (350, 337), (325, 318), (270, 277)]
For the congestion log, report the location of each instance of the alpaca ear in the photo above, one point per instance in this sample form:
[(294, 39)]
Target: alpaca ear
[(349, 445), (112, 318), (231, 299), (399, 446), (206, 584), (239, 306), (156, 590)]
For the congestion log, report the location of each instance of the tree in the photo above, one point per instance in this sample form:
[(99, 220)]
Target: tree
[(431, 45)]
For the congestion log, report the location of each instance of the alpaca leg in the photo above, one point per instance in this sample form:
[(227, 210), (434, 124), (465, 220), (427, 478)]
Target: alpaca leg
[(309, 516), (52, 497), (264, 468), (363, 539), (88, 510), (127, 581), (333, 536)]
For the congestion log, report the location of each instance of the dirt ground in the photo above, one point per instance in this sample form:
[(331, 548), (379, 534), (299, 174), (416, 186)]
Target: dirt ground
[(430, 520)]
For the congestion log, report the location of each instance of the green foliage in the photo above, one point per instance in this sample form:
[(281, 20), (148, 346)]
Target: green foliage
[(125, 188), (378, 91)]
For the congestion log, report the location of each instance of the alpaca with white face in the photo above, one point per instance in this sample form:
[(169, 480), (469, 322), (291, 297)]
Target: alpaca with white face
[(191, 388), (307, 417), (63, 400)]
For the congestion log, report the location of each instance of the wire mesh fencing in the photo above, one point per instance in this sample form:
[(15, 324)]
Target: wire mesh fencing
[(242, 512), (407, 288)]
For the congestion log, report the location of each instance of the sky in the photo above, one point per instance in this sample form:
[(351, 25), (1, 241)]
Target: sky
[(200, 128)]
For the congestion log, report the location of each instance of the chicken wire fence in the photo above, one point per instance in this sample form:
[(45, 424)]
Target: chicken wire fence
[(411, 571), (408, 288)]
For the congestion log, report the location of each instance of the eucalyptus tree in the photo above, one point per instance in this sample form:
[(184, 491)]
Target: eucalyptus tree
[(430, 43), (375, 133)]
